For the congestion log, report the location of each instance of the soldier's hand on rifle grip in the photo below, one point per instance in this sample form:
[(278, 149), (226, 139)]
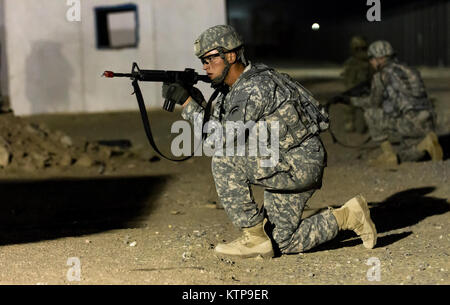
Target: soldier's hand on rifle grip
[(175, 92)]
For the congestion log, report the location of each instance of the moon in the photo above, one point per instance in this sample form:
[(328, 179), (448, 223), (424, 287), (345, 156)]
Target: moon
[(315, 27)]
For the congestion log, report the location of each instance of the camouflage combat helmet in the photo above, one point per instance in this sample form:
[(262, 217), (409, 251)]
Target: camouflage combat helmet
[(223, 38), (358, 42), (380, 48), (219, 36)]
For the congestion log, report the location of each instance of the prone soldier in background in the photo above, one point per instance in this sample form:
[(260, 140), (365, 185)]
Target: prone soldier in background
[(398, 111), (357, 70), (257, 93)]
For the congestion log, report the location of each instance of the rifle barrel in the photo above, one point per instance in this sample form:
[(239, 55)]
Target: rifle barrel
[(161, 76), (111, 74)]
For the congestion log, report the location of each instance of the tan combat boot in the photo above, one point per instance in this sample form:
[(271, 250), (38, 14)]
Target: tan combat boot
[(252, 243), (388, 157), (431, 145), (355, 215)]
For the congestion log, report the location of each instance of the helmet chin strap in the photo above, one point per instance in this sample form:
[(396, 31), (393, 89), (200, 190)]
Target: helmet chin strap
[(219, 81)]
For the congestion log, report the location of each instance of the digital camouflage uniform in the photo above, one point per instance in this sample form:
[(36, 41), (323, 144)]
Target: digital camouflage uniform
[(356, 71), (258, 96), (398, 109), (356, 68)]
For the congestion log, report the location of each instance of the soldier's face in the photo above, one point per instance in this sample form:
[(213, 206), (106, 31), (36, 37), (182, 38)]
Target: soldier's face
[(213, 64), (377, 63)]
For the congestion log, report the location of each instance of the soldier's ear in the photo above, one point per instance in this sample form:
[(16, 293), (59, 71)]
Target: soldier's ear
[(231, 57)]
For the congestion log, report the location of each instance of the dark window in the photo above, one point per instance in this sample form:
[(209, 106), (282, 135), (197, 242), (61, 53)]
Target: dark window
[(117, 26)]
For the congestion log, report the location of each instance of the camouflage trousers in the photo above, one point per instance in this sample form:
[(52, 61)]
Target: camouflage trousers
[(288, 186), (404, 132)]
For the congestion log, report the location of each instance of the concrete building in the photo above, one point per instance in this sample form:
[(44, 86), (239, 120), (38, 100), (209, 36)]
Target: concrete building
[(54, 51)]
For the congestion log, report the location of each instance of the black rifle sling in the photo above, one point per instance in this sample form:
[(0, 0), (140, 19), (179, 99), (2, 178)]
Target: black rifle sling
[(145, 120)]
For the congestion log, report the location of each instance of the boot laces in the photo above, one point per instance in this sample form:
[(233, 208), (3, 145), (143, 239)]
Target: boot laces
[(242, 240)]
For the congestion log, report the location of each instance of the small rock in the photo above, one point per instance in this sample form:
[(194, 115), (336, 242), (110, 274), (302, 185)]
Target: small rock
[(227, 261), (66, 160), (66, 141), (5, 154), (39, 160), (101, 169), (311, 274), (105, 152), (133, 244), (198, 233), (35, 129), (409, 277), (186, 255), (87, 241), (84, 161)]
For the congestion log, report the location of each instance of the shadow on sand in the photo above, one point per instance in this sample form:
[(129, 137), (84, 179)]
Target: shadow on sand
[(40, 210), (444, 140), (401, 210)]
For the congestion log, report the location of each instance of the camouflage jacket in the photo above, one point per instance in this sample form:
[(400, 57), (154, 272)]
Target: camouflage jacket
[(256, 98), (397, 89), (356, 70)]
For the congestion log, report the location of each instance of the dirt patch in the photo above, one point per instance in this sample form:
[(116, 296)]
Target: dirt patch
[(145, 220)]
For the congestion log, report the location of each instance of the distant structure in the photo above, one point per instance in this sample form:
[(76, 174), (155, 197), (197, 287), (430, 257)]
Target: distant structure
[(54, 51)]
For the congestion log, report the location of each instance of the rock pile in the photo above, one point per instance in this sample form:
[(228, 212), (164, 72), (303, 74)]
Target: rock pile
[(32, 146)]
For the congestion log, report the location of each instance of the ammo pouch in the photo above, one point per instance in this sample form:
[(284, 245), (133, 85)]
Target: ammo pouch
[(406, 91), (292, 125), (300, 117)]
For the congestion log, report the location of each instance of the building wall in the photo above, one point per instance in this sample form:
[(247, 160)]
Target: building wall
[(54, 65), (3, 62), (418, 31)]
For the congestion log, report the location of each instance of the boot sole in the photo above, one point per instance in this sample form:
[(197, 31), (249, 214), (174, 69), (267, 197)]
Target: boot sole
[(362, 202), (267, 254), (251, 255)]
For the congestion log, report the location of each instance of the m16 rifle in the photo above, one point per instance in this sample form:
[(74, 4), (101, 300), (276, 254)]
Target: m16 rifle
[(361, 89), (187, 78)]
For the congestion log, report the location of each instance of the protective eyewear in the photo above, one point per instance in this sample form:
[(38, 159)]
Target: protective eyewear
[(207, 59)]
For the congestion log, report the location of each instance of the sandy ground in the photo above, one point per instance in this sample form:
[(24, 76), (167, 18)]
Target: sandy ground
[(144, 220)]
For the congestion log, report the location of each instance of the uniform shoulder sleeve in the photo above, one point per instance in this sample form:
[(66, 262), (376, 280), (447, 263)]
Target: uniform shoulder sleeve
[(260, 94)]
